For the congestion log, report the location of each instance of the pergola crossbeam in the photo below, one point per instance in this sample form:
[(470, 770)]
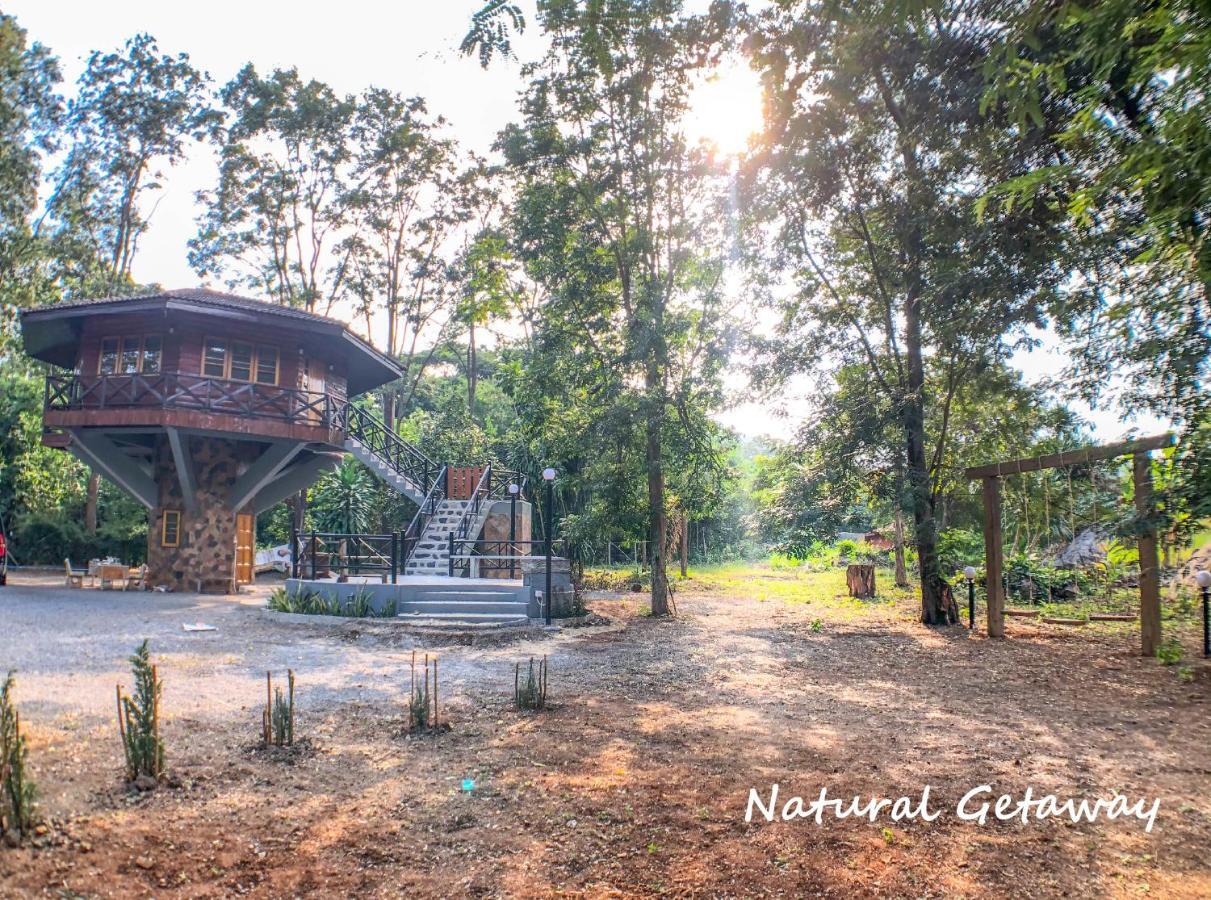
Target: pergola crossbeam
[(1071, 457), (990, 474)]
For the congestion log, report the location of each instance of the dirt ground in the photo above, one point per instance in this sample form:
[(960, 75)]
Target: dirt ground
[(633, 783)]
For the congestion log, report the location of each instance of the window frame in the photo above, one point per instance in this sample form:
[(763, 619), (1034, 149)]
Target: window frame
[(254, 360), (173, 515), (121, 348)]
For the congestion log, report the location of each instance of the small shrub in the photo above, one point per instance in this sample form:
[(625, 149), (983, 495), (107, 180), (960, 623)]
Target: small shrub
[(422, 702), (1185, 674), (19, 793), (530, 692), (277, 719), (846, 549), (1169, 652), (313, 603), (139, 719)]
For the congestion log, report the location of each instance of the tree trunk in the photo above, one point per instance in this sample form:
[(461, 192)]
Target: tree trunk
[(937, 604), (90, 503), (299, 504), (472, 367), (860, 579), (657, 521), (685, 545), (389, 408), (901, 569)]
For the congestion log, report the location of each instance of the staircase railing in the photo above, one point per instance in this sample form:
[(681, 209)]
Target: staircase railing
[(471, 513), (428, 507), (402, 457)]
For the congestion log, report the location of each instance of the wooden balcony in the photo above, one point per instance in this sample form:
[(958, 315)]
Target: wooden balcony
[(195, 402)]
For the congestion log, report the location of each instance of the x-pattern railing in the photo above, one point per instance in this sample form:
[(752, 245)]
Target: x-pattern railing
[(388, 446), (174, 390)]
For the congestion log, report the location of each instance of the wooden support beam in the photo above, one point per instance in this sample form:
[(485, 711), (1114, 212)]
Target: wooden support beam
[(262, 472), (106, 457), (183, 460), (993, 562), (1150, 584), (294, 479), (1071, 457)]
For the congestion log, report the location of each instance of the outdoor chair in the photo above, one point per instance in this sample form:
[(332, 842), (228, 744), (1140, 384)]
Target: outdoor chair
[(135, 578), (75, 577)]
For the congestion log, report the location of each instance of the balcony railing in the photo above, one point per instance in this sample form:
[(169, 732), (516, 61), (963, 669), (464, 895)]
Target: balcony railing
[(176, 390)]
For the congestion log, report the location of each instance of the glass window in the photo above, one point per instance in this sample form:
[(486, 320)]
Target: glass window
[(266, 364), (109, 357), (130, 355), (241, 362), (151, 355), (170, 534), (214, 358)]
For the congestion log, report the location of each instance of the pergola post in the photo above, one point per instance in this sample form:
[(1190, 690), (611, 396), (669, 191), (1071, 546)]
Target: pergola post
[(993, 560), (1150, 583)]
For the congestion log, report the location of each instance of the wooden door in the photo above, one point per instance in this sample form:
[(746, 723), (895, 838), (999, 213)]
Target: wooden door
[(245, 548), (313, 383)]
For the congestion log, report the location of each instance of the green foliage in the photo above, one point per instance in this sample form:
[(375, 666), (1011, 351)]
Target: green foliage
[(132, 116), (316, 603), (489, 33), (139, 718), (277, 719), (17, 791), (530, 690), (1170, 652), (340, 500), (959, 548)]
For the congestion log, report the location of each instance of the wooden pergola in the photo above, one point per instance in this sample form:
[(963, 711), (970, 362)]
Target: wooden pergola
[(1150, 591)]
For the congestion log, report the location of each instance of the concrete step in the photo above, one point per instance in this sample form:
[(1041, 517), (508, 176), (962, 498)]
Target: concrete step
[(468, 618), (438, 607)]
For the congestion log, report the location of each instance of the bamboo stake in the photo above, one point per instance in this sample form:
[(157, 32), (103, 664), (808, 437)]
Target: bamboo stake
[(516, 679), (155, 720), (290, 721), (121, 724), (435, 715)]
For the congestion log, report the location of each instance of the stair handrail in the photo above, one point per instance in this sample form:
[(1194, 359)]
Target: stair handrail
[(471, 513), (404, 458), (424, 512)]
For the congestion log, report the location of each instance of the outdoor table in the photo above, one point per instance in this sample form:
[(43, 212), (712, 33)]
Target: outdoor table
[(109, 573)]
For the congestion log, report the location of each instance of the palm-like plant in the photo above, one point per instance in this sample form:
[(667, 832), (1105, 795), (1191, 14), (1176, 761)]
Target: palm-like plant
[(343, 499)]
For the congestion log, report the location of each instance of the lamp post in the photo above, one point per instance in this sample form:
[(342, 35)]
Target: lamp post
[(970, 574), (1203, 577), (548, 475), (514, 487)]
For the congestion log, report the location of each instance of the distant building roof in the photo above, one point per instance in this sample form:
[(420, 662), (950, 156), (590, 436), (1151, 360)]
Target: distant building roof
[(52, 333)]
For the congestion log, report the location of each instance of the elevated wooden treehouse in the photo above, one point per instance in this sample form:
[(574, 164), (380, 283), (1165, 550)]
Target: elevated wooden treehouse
[(209, 408)]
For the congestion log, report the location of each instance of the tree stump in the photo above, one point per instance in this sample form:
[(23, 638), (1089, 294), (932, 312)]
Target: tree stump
[(861, 581)]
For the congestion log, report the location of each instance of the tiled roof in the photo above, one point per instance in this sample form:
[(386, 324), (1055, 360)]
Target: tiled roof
[(205, 296)]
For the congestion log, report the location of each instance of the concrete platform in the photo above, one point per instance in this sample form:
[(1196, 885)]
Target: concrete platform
[(432, 598)]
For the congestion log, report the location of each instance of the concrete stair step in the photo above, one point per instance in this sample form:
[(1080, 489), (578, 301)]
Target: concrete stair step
[(469, 618), (432, 607)]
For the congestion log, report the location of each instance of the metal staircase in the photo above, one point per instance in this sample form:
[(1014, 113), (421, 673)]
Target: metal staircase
[(432, 553), (396, 462)]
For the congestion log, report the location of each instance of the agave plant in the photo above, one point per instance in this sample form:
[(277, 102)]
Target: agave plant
[(342, 499)]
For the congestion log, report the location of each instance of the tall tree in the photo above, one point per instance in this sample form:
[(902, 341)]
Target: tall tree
[(408, 208), (30, 114), (274, 221), (1125, 88), (133, 116), (865, 187), (616, 218)]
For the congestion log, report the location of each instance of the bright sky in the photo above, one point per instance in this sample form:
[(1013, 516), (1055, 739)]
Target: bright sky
[(406, 47)]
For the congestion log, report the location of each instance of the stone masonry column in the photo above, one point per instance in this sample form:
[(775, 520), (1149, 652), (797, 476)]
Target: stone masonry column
[(204, 558)]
